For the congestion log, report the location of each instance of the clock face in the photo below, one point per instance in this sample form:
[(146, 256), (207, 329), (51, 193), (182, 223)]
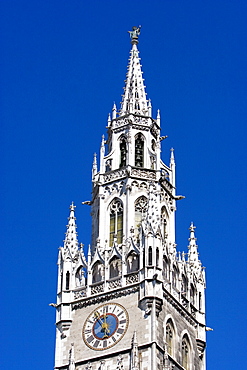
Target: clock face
[(105, 326)]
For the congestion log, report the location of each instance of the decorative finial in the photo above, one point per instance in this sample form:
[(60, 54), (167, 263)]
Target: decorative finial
[(72, 206), (134, 34)]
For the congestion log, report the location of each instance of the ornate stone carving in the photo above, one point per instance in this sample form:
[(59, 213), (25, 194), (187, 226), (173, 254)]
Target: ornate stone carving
[(116, 283), (146, 174), (113, 175), (132, 278), (80, 293), (106, 297), (98, 288)]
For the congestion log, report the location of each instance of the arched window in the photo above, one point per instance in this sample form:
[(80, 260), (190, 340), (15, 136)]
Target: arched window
[(192, 294), (79, 277), (184, 286), (150, 256), (67, 280), (174, 277), (140, 212), (165, 268), (170, 337), (200, 301), (123, 153), (164, 217), (132, 263), (115, 268), (139, 151), (185, 353), (157, 257), (98, 272), (116, 221), (153, 145)]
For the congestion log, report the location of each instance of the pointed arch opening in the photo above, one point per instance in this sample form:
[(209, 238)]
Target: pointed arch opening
[(164, 218), (115, 268), (97, 273), (184, 285), (67, 280), (170, 337), (116, 221), (141, 204), (123, 152), (139, 150), (157, 257), (192, 294), (186, 352), (150, 256), (132, 262), (175, 277), (80, 277), (166, 270)]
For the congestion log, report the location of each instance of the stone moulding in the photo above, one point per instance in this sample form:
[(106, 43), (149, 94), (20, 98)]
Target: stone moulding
[(145, 174), (105, 297), (114, 175), (180, 308)]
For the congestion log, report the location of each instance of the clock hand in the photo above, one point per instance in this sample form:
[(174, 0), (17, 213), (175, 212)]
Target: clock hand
[(105, 327)]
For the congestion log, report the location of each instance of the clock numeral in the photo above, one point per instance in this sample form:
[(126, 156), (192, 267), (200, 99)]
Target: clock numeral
[(105, 309), (120, 331), (90, 339), (120, 313), (114, 309), (114, 339), (122, 321), (96, 343), (104, 343), (87, 331)]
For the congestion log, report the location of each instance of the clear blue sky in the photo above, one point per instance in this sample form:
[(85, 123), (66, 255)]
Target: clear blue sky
[(63, 64)]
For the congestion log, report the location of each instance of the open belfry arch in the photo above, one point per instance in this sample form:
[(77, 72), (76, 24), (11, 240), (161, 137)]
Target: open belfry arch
[(133, 302)]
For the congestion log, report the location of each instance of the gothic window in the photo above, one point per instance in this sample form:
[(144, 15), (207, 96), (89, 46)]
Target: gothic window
[(165, 268), (185, 352), (175, 277), (139, 151), (157, 257), (170, 337), (116, 221), (140, 212), (192, 294), (67, 280), (132, 263), (108, 165), (184, 285), (153, 145), (150, 256), (164, 217), (136, 95), (98, 271), (115, 268), (123, 153), (200, 301), (79, 277)]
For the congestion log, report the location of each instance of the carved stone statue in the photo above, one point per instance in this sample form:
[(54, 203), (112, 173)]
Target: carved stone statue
[(134, 34)]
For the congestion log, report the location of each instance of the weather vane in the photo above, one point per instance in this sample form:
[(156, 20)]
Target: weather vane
[(134, 34)]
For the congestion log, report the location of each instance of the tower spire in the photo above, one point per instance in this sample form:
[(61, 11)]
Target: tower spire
[(193, 253), (134, 97), (71, 241)]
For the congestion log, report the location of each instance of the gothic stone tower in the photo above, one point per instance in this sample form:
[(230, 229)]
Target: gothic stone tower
[(134, 302)]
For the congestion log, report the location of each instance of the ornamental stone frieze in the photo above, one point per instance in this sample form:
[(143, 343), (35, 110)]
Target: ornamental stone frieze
[(146, 174), (114, 175)]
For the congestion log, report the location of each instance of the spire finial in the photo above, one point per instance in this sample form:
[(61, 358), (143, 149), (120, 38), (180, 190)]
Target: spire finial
[(134, 34)]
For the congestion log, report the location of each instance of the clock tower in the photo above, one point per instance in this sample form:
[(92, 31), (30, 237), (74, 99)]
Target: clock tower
[(133, 302)]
